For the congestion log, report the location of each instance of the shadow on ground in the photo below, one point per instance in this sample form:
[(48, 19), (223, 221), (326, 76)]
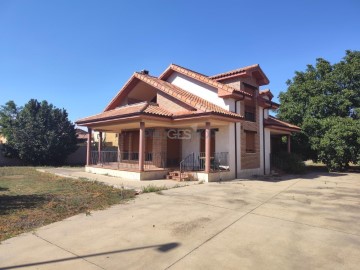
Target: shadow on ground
[(160, 248), (9, 203), (310, 175)]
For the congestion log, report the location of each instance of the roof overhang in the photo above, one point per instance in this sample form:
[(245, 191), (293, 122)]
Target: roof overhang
[(267, 104), (279, 128), (122, 119), (123, 92), (118, 123), (249, 71)]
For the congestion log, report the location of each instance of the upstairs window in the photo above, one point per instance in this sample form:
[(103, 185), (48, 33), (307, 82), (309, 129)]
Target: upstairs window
[(249, 88), (250, 113)]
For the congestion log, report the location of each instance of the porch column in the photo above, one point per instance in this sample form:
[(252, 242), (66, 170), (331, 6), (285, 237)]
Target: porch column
[(207, 147), (88, 147), (288, 144), (119, 147), (142, 146), (99, 147)]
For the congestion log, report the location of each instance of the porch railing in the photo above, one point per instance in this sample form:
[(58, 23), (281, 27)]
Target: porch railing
[(127, 160), (196, 162)]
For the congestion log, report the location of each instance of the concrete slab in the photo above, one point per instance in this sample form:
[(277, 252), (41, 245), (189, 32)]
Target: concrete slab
[(31, 252), (329, 203), (258, 242), (142, 227), (310, 222)]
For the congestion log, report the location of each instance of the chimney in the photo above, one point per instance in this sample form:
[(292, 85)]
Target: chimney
[(145, 72)]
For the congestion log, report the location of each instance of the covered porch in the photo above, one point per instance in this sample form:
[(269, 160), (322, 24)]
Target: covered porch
[(279, 133), (149, 148)]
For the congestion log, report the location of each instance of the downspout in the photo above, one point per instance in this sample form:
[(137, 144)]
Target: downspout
[(264, 158), (235, 131), (264, 138)]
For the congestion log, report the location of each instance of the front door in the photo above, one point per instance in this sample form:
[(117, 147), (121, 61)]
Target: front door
[(174, 144)]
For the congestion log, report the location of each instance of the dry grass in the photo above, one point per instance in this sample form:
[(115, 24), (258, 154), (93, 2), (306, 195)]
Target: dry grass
[(30, 199), (319, 166)]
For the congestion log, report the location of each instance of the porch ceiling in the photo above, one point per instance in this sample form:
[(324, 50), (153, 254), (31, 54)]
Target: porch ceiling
[(279, 132), (195, 123)]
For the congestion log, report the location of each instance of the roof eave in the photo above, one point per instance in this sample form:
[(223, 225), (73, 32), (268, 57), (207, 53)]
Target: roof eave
[(125, 118), (282, 128), (209, 114), (121, 93)]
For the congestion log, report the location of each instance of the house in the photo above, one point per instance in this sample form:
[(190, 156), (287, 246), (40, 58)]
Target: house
[(2, 139), (109, 139), (211, 127), (81, 136)]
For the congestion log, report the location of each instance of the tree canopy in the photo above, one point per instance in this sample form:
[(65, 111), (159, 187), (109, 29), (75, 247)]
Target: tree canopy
[(38, 133), (325, 101)]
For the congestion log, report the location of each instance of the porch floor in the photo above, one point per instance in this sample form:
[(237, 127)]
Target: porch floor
[(130, 167)]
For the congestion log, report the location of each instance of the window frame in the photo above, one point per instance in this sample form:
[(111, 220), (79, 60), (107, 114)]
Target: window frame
[(251, 149)]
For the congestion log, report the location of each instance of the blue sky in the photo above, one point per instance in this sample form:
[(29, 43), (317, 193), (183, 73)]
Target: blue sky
[(78, 54)]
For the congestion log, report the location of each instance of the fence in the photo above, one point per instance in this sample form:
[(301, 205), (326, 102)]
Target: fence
[(127, 160), (196, 162)]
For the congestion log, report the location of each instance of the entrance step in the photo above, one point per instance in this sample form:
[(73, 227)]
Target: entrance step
[(175, 175)]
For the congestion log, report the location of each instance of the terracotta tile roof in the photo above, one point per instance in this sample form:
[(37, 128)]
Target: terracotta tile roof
[(155, 109), (256, 71), (184, 96), (201, 78), (272, 121), (142, 107), (233, 72), (266, 92), (81, 134)]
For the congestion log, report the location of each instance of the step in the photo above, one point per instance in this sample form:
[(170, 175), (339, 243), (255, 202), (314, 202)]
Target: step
[(184, 177)]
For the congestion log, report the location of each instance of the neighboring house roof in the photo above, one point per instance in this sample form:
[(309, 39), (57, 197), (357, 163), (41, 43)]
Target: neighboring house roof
[(274, 123), (81, 134), (244, 71), (223, 89)]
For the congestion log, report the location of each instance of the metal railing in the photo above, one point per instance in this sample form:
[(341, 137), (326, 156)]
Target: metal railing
[(127, 160), (196, 162)]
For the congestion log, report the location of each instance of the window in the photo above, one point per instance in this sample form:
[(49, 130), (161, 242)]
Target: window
[(250, 141), (250, 113), (249, 88)]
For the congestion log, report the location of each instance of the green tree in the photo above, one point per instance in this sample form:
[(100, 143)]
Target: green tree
[(325, 101), (8, 115), (38, 133)]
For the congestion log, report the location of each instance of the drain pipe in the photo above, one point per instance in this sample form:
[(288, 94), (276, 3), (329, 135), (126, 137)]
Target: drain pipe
[(264, 158), (235, 133), (264, 151)]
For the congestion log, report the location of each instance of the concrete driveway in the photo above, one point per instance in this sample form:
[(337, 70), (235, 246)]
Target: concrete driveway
[(303, 223)]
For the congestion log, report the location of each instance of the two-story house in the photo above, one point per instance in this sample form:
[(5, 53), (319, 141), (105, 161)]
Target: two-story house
[(210, 127)]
